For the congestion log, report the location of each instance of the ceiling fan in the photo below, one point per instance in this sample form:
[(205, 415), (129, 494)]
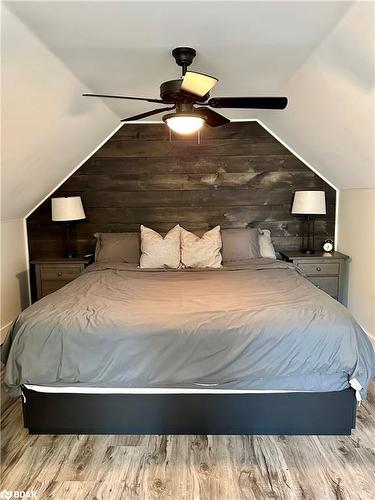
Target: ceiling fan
[(190, 98)]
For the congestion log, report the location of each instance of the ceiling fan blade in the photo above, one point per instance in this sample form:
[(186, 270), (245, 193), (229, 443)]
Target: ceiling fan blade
[(213, 119), (249, 102), (198, 83), (125, 97), (148, 113)]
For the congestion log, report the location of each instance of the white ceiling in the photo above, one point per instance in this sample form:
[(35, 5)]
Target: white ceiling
[(47, 129), (330, 119), (125, 47), (315, 52)]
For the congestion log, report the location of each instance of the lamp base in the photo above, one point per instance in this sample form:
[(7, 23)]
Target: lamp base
[(68, 245), (308, 243)]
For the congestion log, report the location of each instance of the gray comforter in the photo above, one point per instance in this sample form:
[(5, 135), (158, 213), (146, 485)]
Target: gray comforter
[(254, 325)]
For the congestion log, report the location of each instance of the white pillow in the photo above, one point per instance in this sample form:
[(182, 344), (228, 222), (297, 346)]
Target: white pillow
[(159, 252), (265, 244), (201, 252)]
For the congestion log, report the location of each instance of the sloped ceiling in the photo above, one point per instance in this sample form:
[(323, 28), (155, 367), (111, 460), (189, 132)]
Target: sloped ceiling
[(330, 119), (320, 54), (46, 128)]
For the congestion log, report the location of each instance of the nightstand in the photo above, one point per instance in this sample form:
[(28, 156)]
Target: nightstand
[(326, 270), (53, 273)]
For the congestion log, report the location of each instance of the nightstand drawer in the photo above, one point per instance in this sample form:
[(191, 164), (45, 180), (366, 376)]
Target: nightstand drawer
[(50, 286), (317, 268), (58, 273), (328, 284), (51, 274)]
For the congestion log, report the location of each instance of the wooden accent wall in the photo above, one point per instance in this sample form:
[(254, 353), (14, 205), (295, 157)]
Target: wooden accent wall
[(238, 175)]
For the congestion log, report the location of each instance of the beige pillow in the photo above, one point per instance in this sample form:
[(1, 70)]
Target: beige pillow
[(117, 247), (240, 244), (159, 252), (201, 252)]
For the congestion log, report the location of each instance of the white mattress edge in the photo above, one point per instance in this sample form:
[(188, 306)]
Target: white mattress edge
[(144, 390)]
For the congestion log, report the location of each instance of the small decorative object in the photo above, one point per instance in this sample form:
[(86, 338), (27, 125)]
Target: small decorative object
[(308, 204), (328, 245), (67, 210)]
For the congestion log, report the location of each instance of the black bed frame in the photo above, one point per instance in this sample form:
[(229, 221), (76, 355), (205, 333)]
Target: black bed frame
[(276, 413)]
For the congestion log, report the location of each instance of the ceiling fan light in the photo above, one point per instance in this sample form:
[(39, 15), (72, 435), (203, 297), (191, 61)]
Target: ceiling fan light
[(184, 124), (198, 83)]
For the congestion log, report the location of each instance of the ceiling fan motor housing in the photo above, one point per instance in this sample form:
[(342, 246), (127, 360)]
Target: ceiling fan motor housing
[(184, 56)]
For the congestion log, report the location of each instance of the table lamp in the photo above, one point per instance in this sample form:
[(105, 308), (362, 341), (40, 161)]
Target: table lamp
[(308, 204), (67, 210)]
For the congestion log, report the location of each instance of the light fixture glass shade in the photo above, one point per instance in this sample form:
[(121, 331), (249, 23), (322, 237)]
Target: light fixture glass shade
[(309, 202), (66, 209), (184, 124)]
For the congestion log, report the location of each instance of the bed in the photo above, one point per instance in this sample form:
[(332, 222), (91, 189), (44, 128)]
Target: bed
[(250, 348)]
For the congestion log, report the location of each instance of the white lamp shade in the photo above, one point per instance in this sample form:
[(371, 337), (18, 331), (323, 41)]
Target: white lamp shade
[(309, 202), (65, 209)]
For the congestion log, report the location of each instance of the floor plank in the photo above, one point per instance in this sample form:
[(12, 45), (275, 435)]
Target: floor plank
[(190, 467)]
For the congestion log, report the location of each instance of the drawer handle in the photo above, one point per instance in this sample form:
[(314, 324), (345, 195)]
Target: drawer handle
[(59, 273), (318, 268)]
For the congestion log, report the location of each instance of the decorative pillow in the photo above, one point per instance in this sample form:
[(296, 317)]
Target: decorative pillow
[(265, 244), (159, 252), (117, 247), (240, 244), (201, 252)]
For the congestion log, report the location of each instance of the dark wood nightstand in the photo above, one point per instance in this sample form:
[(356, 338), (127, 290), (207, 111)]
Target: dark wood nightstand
[(327, 271), (53, 273)]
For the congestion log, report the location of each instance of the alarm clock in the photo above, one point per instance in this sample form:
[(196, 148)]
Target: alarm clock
[(328, 245)]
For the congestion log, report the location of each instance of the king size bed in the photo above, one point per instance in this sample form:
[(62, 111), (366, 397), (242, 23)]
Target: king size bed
[(250, 348)]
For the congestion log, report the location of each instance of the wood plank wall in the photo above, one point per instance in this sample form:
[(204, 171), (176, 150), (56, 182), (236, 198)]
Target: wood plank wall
[(238, 175)]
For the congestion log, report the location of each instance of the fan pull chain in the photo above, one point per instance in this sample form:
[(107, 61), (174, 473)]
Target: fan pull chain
[(170, 135), (199, 137)]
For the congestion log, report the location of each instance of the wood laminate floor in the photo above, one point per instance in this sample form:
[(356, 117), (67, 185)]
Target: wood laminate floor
[(190, 467)]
